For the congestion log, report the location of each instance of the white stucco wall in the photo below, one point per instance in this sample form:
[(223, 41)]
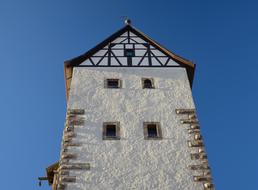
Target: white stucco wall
[(132, 162)]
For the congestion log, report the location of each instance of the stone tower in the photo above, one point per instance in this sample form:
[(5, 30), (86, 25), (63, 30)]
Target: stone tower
[(131, 121)]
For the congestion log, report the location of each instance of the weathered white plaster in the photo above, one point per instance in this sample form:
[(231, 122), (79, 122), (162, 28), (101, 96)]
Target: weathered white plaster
[(158, 53), (155, 62), (140, 52), (132, 162), (100, 53)]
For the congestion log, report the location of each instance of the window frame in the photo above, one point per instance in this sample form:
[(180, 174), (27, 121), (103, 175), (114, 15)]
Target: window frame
[(158, 128), (126, 50), (152, 83), (104, 131), (109, 79)]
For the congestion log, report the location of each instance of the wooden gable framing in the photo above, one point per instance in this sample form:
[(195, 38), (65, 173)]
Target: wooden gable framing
[(112, 53), (140, 53)]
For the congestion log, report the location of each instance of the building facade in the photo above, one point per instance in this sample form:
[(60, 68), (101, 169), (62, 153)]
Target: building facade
[(131, 120)]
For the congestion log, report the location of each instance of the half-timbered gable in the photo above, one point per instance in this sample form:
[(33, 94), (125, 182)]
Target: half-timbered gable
[(128, 47)]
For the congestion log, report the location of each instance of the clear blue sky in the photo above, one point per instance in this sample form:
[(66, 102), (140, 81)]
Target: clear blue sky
[(37, 36)]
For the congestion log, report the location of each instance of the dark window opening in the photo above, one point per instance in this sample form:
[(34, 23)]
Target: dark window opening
[(113, 83), (129, 53), (148, 83), (111, 131), (152, 130)]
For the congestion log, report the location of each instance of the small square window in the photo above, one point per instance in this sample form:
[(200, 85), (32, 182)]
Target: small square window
[(111, 131), (113, 83), (129, 53), (147, 83), (152, 130)]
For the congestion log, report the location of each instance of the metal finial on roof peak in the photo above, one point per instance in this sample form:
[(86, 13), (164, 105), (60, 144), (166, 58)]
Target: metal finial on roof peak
[(128, 21)]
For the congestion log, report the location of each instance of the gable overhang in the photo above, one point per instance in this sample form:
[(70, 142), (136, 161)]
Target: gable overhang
[(75, 62)]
